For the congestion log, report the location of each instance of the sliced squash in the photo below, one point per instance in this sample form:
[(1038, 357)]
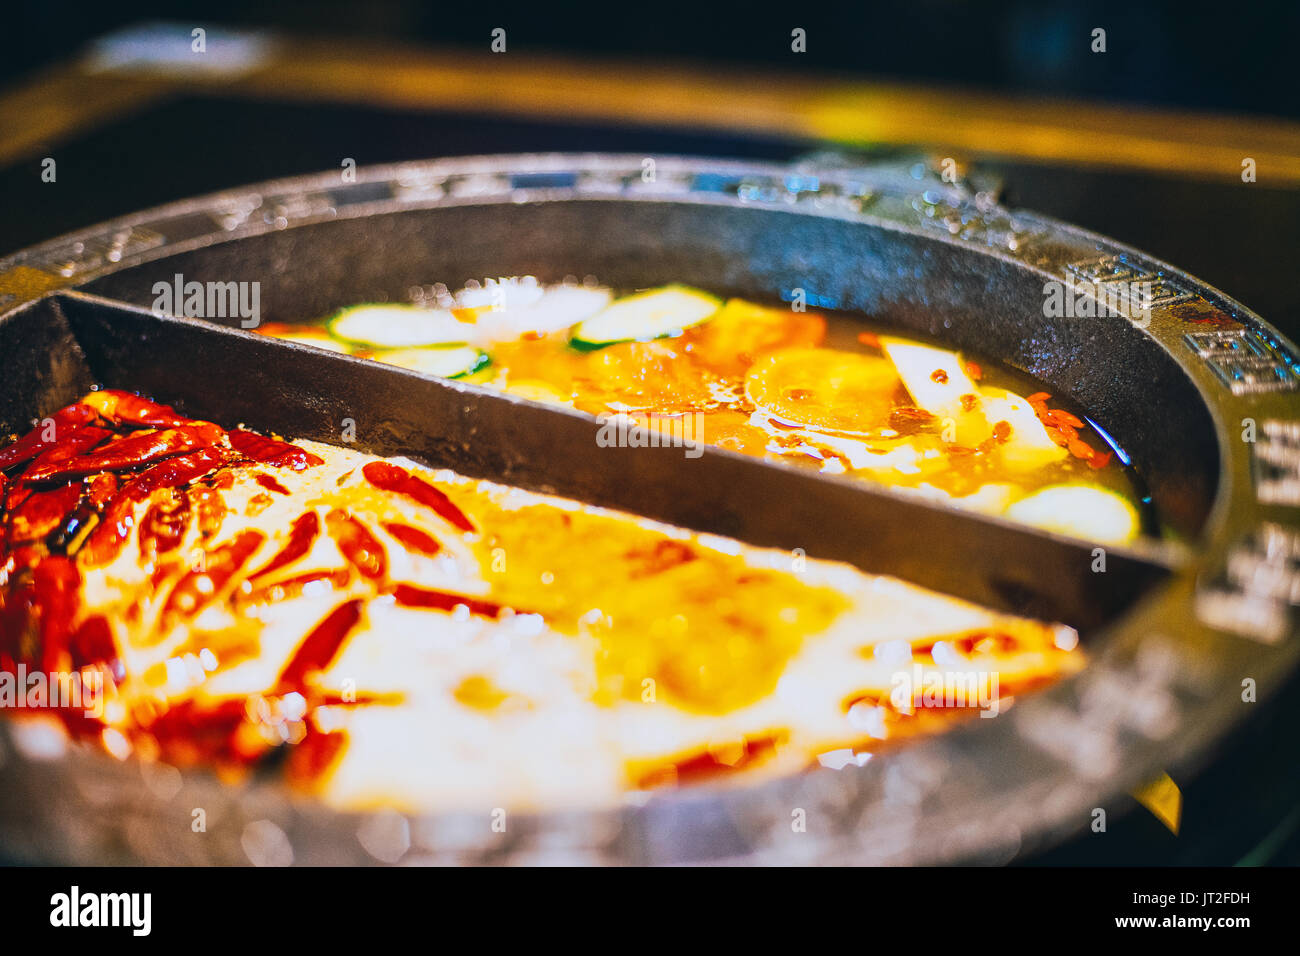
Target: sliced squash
[(647, 315), (455, 361), (398, 326), (1079, 510)]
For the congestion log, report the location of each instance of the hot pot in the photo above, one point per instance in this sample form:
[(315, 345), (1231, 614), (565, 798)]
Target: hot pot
[(1201, 393)]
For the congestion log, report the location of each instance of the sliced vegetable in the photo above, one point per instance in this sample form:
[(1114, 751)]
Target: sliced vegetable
[(647, 315), (398, 326), (843, 392), (1028, 445), (559, 307), (937, 381), (1081, 511), (447, 362)]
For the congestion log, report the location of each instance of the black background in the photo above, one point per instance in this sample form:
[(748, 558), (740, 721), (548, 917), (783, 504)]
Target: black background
[(1234, 57)]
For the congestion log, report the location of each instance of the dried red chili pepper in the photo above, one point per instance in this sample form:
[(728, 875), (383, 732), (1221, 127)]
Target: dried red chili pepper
[(76, 442), (272, 451), (163, 525), (15, 494), (106, 540), (1062, 428), (312, 756), (211, 508), (174, 473), (102, 488), (292, 587), (125, 408), (42, 511), (195, 731), (199, 587), (389, 477), (1080, 449), (93, 645), (270, 484), (56, 588), (302, 533), (413, 538), (1060, 415), (20, 559), (706, 765), (137, 450), (408, 595), (320, 647), (978, 642), (46, 434), (362, 550), (16, 615)]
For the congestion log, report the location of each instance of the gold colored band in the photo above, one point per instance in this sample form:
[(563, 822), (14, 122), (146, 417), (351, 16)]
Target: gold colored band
[(791, 104)]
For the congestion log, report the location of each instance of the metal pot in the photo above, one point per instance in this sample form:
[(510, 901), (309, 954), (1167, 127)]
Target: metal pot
[(1199, 391)]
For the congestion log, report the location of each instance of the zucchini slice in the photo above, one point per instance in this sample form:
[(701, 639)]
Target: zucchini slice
[(453, 361), (644, 316), (1081, 511), (388, 326)]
